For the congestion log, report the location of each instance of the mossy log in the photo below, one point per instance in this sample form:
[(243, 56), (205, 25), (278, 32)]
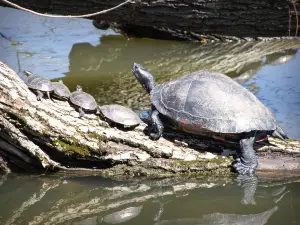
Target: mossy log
[(48, 135)]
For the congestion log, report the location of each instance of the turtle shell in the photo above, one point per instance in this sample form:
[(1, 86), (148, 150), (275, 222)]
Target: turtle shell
[(61, 90), (209, 101), (39, 83), (83, 100), (120, 114)]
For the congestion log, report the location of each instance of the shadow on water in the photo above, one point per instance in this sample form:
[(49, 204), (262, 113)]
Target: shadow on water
[(204, 200)]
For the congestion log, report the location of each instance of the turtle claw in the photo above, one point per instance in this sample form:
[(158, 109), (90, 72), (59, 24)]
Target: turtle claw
[(244, 168), (154, 136)]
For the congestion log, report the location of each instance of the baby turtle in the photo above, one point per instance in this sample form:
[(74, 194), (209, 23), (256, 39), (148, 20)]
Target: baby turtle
[(206, 102), (61, 91), (83, 101), (38, 84), (120, 114)]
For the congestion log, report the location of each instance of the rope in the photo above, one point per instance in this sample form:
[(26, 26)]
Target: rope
[(66, 16)]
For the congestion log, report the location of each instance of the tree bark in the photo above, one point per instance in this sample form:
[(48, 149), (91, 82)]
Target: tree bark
[(48, 135), (188, 20)]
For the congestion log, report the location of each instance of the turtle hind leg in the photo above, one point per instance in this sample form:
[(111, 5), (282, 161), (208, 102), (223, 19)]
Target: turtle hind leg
[(246, 162), (156, 126), (39, 95), (81, 112)]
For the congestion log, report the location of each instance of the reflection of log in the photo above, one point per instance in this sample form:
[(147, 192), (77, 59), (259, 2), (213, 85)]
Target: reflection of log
[(73, 200), (190, 20), (39, 135), (105, 68)]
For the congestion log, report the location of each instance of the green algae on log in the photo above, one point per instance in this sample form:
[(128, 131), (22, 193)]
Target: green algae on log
[(48, 135)]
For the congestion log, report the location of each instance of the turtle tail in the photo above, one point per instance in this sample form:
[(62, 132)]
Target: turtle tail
[(279, 133)]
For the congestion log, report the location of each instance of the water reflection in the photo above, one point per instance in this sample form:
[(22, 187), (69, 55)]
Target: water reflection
[(105, 70), (94, 200), (224, 219)]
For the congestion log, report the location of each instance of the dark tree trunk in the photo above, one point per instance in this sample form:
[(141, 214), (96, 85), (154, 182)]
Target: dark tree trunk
[(188, 20)]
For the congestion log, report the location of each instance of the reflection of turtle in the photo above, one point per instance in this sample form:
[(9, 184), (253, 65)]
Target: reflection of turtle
[(83, 101), (122, 215), (120, 114), (204, 102), (224, 219), (61, 91), (38, 84)]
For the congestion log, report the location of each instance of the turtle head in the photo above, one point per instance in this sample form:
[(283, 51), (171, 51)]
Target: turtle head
[(144, 77), (27, 73), (78, 88)]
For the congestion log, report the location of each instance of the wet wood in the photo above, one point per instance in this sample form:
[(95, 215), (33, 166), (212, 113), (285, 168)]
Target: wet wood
[(188, 20), (48, 135)]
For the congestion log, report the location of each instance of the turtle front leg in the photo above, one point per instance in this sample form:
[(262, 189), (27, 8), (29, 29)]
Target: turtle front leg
[(246, 163), (48, 95), (156, 126), (81, 112), (39, 95)]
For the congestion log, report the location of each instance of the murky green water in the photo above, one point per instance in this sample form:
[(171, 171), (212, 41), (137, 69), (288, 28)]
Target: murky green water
[(194, 201), (76, 52)]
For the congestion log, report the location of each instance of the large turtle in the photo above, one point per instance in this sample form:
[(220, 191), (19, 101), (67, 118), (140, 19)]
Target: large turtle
[(83, 101), (38, 84), (61, 91), (120, 115), (205, 102)]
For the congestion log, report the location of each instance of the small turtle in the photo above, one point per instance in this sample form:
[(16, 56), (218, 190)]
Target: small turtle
[(83, 101), (61, 91), (120, 114), (38, 84), (204, 103)]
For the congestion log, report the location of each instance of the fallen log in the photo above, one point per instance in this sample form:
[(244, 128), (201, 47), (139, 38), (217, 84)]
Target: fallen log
[(188, 20), (48, 135)]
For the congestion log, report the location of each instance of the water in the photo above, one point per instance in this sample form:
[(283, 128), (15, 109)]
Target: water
[(76, 52), (63, 199)]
